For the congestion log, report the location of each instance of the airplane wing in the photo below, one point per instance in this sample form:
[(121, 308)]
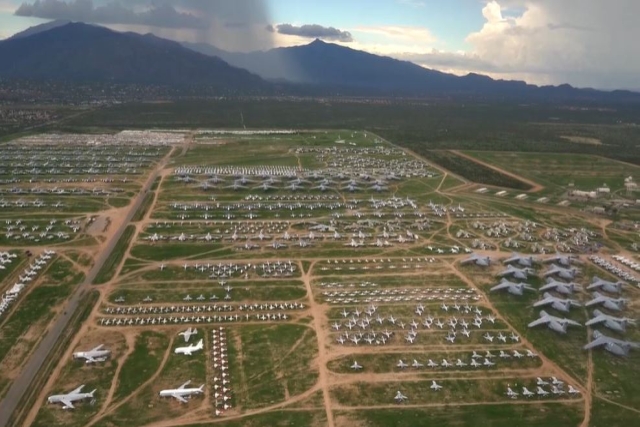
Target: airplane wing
[(544, 302), (541, 321), (67, 403), (596, 320), (596, 343), (180, 398), (184, 385), (78, 390), (98, 348), (501, 286)]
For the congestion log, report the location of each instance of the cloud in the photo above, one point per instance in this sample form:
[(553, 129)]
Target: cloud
[(313, 31), (232, 25), (583, 42), (157, 15)]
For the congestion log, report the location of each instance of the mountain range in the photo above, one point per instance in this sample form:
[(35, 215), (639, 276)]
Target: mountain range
[(77, 52)]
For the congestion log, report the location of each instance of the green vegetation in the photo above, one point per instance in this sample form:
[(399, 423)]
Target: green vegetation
[(142, 363), (473, 171), (144, 207), (115, 257)]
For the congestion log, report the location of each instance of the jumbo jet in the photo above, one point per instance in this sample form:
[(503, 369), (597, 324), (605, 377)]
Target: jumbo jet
[(605, 285), (68, 399), (190, 349), (513, 288), (561, 287), (612, 345), (182, 393), (563, 305), (618, 324), (97, 354), (614, 304)]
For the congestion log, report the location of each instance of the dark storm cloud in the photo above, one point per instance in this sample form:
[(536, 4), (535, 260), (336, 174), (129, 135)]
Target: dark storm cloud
[(313, 31), (162, 15)]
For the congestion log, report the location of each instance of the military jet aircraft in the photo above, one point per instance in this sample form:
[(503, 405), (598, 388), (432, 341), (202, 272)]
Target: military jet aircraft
[(399, 398), (614, 304), (182, 393), (517, 273), (612, 345), (435, 386), (605, 285), (482, 261), (68, 399), (513, 288), (563, 260), (554, 323), (618, 324), (525, 261), (97, 354), (563, 305), (356, 366), (560, 287), (563, 273)]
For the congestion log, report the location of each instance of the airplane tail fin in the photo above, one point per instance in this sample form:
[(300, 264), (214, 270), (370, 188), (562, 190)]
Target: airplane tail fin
[(92, 392), (201, 388)]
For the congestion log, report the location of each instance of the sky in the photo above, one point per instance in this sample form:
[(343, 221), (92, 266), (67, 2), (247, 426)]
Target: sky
[(586, 43)]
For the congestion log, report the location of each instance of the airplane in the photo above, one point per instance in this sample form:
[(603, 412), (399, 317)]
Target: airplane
[(526, 392), (560, 287), (190, 349), (554, 323), (518, 273), (513, 288), (614, 304), (525, 261), (563, 273), (475, 364), (432, 364), (399, 398), (446, 363), (401, 364), (605, 285), (564, 260), (512, 394), (356, 366), (481, 261), (68, 399), (488, 337), (187, 334), (540, 381), (460, 363), (531, 353), (612, 345), (502, 337), (488, 362), (435, 386), (182, 393), (614, 323), (541, 392), (97, 354), (417, 364), (572, 390), (563, 305)]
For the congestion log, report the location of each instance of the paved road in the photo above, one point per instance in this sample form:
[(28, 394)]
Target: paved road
[(28, 374)]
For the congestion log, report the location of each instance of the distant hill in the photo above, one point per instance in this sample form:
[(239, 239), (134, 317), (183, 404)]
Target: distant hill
[(331, 65), (76, 52), (39, 29)]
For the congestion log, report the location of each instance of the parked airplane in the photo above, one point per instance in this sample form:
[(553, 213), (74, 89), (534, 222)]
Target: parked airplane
[(618, 324), (563, 305), (612, 345), (435, 386), (399, 398), (401, 364), (482, 261), (190, 349), (512, 394), (614, 304), (68, 399), (182, 393), (513, 288), (97, 354), (554, 323), (605, 285), (187, 334), (526, 392), (525, 261), (560, 287), (356, 366)]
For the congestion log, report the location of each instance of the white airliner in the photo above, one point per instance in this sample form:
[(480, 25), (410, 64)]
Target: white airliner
[(190, 349), (98, 354), (182, 393), (68, 399), (187, 334)]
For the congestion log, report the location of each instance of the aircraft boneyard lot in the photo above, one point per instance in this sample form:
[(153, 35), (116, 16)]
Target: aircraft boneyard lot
[(282, 278)]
